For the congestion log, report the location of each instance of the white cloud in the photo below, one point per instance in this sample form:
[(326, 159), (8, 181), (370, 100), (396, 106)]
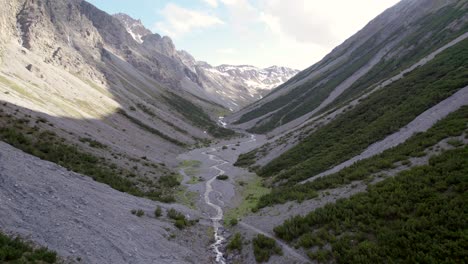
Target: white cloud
[(241, 15), (324, 23), (226, 51), (212, 3), (179, 21)]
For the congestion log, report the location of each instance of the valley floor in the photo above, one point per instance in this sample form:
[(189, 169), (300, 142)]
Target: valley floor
[(201, 165)]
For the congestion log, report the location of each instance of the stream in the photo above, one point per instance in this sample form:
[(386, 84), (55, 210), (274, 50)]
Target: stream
[(219, 239)]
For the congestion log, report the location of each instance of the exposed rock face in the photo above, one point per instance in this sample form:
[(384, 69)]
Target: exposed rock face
[(229, 85), (133, 26)]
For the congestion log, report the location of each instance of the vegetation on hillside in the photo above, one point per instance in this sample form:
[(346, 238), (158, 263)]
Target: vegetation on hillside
[(235, 243), (451, 126), (23, 134), (265, 247), (180, 221), (197, 116), (150, 129), (431, 33), (413, 48), (376, 117), (15, 250), (418, 216)]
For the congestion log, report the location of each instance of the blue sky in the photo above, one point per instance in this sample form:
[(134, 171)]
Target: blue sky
[(294, 33)]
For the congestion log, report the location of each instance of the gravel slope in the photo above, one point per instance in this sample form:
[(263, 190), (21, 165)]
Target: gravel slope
[(420, 124), (78, 217)]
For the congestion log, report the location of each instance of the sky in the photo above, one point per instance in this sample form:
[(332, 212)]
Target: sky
[(292, 33)]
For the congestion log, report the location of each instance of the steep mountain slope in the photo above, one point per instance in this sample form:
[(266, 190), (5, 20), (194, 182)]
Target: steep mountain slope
[(230, 85), (393, 41), (391, 101), (73, 62), (86, 221), (449, 29), (77, 90)]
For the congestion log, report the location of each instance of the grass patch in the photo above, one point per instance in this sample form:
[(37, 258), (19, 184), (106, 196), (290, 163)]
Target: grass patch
[(192, 169), (16, 87), (158, 212), (186, 197), (250, 191)]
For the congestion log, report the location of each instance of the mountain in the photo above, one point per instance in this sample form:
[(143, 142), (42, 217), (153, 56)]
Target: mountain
[(358, 144), (400, 42), (230, 85), (88, 110), (240, 85), (393, 41), (117, 147), (136, 29)]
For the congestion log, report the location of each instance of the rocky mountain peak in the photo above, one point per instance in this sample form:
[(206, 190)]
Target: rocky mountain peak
[(134, 26)]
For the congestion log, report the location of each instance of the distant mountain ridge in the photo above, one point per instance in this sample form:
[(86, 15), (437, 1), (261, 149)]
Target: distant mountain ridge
[(231, 85)]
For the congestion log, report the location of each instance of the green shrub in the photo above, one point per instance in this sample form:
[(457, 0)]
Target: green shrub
[(265, 247), (175, 215), (235, 243), (158, 212), (233, 222), (418, 215), (222, 177), (15, 250), (169, 181), (140, 213), (181, 221)]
